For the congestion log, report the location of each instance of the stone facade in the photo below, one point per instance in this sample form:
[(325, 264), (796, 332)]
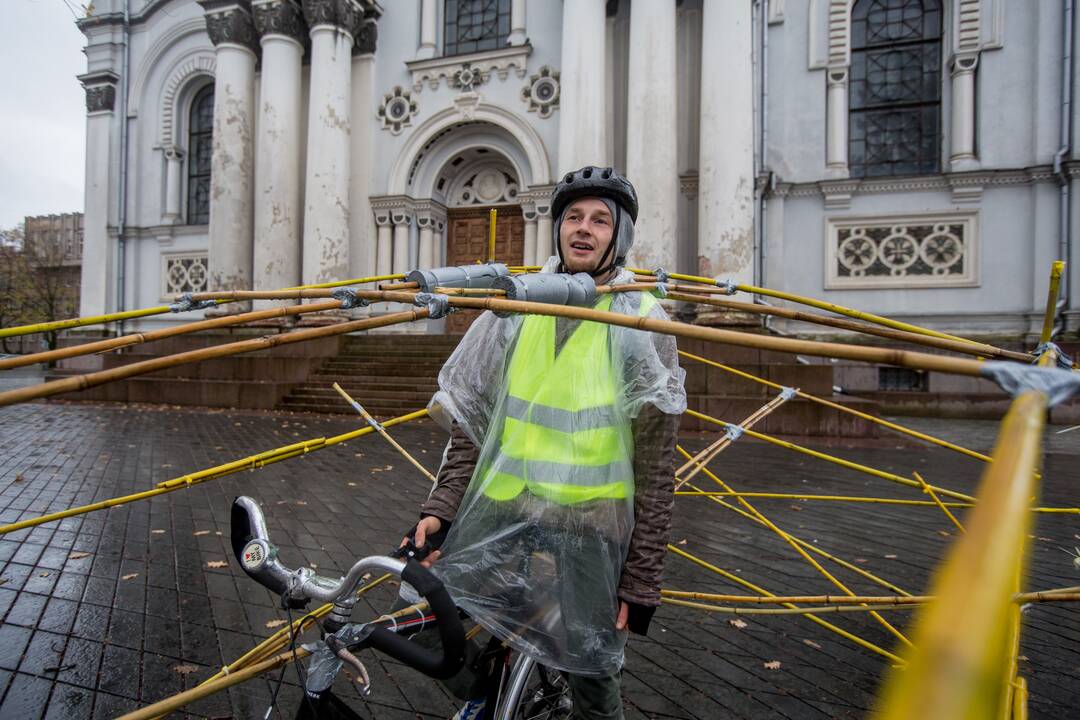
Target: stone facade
[(344, 136)]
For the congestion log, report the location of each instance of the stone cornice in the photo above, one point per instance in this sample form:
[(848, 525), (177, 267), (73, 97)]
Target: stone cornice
[(229, 21), (500, 61), (946, 181), (280, 17), (100, 90)]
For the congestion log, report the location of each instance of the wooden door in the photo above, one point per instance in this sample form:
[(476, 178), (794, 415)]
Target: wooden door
[(467, 244)]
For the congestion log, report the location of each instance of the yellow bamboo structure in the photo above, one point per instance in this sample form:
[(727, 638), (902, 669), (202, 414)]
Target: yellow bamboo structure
[(1056, 271), (251, 462), (151, 335), (819, 304), (859, 500), (762, 591), (806, 556), (1044, 596), (89, 380), (491, 234), (835, 460), (146, 312), (937, 501), (963, 638)]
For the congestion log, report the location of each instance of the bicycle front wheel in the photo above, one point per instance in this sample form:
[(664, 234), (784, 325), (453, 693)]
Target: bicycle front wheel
[(534, 692)]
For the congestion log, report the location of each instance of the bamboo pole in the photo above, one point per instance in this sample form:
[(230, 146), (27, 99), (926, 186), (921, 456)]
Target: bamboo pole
[(762, 591), (963, 637), (385, 435), (859, 499), (820, 304), (89, 380), (149, 336), (933, 496), (491, 235), (816, 610), (806, 556), (251, 462), (803, 543), (1056, 271), (966, 347), (886, 356), (843, 408), (1019, 598), (835, 460), (707, 455)]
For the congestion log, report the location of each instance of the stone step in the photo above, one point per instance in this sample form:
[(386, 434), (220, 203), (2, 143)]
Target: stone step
[(354, 384)]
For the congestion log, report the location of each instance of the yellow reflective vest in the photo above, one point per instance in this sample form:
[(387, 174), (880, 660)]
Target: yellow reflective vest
[(564, 437)]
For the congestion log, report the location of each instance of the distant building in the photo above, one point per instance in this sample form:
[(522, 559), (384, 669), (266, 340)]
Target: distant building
[(54, 243), (901, 156)]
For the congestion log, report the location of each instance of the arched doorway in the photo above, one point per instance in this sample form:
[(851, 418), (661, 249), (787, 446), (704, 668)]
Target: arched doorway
[(472, 182)]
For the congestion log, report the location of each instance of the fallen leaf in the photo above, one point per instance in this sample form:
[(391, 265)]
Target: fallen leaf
[(274, 623), (313, 566), (3, 581), (352, 484), (890, 557), (158, 532), (737, 623), (812, 644), (199, 533), (129, 576), (217, 564), (281, 502), (944, 533), (772, 665), (796, 508), (681, 542), (1047, 539), (78, 555), (1023, 658), (187, 669), (217, 532), (375, 470), (19, 478), (388, 467), (301, 502), (44, 573)]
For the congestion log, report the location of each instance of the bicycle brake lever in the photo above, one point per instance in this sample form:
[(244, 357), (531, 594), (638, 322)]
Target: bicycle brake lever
[(341, 651)]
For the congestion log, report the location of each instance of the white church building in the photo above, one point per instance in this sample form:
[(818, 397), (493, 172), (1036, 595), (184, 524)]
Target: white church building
[(910, 157)]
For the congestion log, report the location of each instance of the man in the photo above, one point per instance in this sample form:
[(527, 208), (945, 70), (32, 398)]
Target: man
[(554, 495)]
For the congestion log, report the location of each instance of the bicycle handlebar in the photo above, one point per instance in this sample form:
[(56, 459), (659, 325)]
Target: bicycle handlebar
[(259, 559)]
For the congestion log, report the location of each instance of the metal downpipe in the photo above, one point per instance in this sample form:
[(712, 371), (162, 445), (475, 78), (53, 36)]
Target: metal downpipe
[(1064, 213)]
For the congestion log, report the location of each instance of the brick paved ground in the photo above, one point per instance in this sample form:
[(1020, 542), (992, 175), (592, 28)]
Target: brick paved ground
[(100, 611)]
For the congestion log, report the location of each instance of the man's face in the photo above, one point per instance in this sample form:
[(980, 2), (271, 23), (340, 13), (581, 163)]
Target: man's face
[(586, 231)]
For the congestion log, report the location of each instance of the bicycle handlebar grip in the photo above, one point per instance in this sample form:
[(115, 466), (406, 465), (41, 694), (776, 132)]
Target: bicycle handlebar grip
[(451, 631), (243, 529)]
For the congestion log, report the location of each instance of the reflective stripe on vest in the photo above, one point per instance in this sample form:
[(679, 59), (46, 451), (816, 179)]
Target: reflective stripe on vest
[(561, 435)]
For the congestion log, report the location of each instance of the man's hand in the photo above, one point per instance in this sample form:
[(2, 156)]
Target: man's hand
[(425, 527), (624, 614)]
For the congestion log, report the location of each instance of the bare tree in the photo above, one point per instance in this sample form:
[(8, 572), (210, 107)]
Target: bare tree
[(48, 287), (12, 273)]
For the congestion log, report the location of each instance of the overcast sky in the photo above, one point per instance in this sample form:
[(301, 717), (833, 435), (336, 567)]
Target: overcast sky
[(42, 110)]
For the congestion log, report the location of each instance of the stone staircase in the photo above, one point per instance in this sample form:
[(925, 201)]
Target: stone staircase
[(389, 375)]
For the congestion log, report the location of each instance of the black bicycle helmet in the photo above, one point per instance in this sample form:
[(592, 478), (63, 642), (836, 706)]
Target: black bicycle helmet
[(591, 181)]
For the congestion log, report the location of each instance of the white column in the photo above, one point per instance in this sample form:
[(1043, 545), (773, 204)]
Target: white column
[(836, 122), (528, 212), (427, 242), (174, 162), (725, 245), (278, 146), (517, 23), (384, 254), (651, 148), (402, 221), (362, 250), (326, 185), (428, 29), (544, 242), (97, 286), (962, 141), (232, 161), (582, 94)]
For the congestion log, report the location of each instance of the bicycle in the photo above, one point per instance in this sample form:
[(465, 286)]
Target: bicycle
[(522, 688)]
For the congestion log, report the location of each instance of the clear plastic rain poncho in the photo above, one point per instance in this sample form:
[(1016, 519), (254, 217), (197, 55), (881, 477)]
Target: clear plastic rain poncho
[(537, 548)]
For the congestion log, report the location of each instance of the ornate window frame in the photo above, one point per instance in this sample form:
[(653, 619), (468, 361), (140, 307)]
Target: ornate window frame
[(169, 291), (196, 91), (920, 251)]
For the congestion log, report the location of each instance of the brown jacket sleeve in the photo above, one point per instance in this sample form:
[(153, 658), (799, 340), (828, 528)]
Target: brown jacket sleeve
[(459, 462), (655, 435)]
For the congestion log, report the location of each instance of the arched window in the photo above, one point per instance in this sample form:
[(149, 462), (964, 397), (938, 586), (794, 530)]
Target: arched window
[(475, 25), (200, 144), (895, 88)]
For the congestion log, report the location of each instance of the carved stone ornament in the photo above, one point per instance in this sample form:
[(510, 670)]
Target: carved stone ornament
[(100, 98), (367, 36), (466, 78), (232, 26), (280, 17), (542, 92), (344, 14), (397, 110)]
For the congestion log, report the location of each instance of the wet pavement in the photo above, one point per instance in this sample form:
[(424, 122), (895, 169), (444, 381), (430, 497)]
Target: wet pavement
[(109, 611)]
